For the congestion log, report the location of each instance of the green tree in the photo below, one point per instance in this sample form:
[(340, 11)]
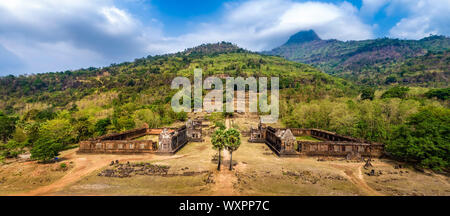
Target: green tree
[(424, 139), (101, 126), (218, 142), (147, 116), (59, 130), (46, 149), (397, 91), (220, 125), (83, 127), (443, 93), (124, 123), (7, 126), (232, 142), (368, 94)]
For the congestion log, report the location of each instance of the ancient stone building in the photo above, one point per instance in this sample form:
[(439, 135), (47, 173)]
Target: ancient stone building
[(332, 144), (283, 141), (287, 140), (165, 140), (194, 130), (170, 141), (258, 134), (120, 143)]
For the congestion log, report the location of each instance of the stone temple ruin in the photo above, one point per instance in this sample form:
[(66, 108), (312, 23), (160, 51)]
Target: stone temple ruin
[(194, 130), (170, 140), (281, 140), (284, 143)]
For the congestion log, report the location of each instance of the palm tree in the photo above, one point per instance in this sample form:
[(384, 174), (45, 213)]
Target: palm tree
[(218, 142), (232, 143)]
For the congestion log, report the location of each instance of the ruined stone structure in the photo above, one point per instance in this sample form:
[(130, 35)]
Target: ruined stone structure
[(170, 141), (333, 144), (118, 146), (120, 143), (194, 130), (336, 148), (258, 135), (283, 141)]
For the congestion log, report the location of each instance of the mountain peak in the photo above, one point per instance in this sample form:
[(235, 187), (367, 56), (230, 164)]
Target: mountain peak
[(303, 36)]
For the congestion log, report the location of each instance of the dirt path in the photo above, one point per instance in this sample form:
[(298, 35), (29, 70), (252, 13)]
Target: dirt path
[(358, 179), (83, 166), (227, 123), (224, 178)]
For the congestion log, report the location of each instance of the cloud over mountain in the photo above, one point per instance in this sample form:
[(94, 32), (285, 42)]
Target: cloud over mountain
[(56, 35)]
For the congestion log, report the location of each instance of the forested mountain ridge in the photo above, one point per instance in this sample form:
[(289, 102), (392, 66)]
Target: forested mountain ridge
[(156, 73), (372, 62)]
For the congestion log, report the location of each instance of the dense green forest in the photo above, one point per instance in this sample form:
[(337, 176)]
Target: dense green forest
[(46, 113), (382, 61)]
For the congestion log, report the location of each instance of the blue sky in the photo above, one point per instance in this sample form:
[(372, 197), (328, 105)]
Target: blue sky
[(56, 35)]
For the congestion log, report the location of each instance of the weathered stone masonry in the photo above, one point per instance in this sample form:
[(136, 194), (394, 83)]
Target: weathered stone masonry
[(333, 144), (282, 141), (119, 143), (170, 140), (194, 130)]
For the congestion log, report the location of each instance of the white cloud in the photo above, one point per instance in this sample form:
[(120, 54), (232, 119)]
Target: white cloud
[(53, 35), (263, 24), (370, 7), (424, 17)]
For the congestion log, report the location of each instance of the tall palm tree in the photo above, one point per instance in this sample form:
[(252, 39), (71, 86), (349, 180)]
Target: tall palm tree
[(232, 143), (218, 142)]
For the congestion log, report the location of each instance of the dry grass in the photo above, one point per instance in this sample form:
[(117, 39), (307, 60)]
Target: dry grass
[(261, 172), (19, 177), (154, 185), (406, 181)]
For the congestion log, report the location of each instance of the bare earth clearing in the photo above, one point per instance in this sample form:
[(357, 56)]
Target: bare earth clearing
[(192, 171)]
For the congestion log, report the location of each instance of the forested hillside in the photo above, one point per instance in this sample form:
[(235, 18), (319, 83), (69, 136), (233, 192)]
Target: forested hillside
[(373, 62), (155, 73)]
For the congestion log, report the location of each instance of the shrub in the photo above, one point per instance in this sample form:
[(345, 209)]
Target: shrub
[(7, 126), (395, 92), (12, 149), (220, 125), (367, 94), (442, 94)]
